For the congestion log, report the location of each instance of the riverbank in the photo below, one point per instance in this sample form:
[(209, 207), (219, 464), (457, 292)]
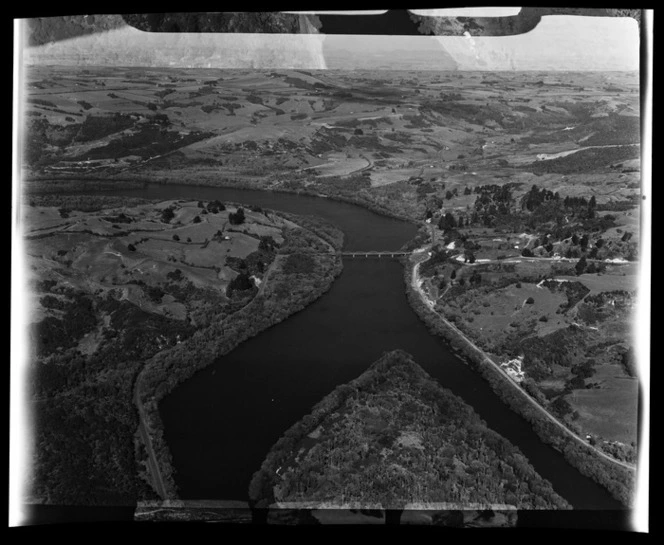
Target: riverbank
[(59, 184), (288, 287), (355, 450), (618, 480)]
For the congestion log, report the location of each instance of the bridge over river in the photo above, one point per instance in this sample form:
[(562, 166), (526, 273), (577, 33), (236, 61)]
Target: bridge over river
[(366, 254)]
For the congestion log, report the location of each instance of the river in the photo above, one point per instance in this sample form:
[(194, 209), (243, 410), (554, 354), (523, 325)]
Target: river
[(220, 423)]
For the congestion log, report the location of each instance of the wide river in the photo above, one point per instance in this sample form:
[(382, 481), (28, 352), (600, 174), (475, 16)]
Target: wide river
[(220, 424)]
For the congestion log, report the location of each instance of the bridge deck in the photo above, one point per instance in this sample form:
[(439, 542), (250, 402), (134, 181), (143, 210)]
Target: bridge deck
[(374, 254)]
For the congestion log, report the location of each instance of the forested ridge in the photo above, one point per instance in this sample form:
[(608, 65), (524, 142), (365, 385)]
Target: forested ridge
[(300, 275), (394, 436), (618, 480), (85, 445)]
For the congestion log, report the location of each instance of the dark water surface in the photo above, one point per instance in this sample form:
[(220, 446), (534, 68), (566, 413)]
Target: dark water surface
[(221, 423)]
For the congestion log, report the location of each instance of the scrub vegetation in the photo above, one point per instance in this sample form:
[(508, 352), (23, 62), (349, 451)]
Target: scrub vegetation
[(394, 437)]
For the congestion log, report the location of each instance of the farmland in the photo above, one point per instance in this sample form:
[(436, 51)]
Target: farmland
[(526, 188), (171, 258), (121, 287), (418, 135), (563, 337)]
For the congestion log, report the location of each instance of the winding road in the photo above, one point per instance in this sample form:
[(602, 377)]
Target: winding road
[(416, 284)]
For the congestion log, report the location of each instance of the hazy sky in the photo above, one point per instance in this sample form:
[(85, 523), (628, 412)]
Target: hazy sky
[(559, 42), (469, 12)]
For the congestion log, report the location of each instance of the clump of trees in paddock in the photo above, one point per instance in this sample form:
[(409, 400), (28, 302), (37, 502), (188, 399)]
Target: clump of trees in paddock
[(237, 217), (167, 214), (241, 282), (217, 206)]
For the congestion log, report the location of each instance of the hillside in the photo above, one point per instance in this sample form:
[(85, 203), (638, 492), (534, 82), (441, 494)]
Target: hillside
[(122, 288), (393, 438)]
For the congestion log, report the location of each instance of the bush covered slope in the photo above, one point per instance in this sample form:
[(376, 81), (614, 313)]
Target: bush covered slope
[(394, 437)]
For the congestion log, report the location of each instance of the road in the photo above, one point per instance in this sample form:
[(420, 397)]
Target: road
[(369, 166), (521, 259), (143, 428), (261, 287), (153, 464), (415, 282)]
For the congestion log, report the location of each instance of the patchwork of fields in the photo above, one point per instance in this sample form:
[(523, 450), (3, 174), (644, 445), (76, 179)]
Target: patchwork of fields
[(570, 334), (136, 254), (293, 129), (526, 187)]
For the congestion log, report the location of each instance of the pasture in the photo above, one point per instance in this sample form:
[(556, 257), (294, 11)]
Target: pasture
[(610, 411), (140, 250)]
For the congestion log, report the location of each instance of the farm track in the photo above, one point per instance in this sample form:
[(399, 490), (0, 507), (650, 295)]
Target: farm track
[(415, 282)]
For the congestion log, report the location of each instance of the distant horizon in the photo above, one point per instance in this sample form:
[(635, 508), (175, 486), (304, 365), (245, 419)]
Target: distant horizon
[(558, 43), (250, 69)]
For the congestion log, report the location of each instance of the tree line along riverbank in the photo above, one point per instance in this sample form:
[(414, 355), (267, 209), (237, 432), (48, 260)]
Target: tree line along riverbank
[(299, 275), (54, 185), (228, 339), (618, 480), (102, 323), (395, 437)]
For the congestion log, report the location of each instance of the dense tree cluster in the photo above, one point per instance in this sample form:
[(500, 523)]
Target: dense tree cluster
[(618, 480), (216, 206), (394, 436), (241, 319), (563, 347), (494, 204), (167, 214), (149, 140), (76, 317), (447, 222), (574, 291), (439, 257), (88, 203), (241, 282), (299, 264), (237, 217), (84, 417)]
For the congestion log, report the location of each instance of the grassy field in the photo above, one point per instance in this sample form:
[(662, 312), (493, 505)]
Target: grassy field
[(136, 251), (559, 325), (446, 126), (611, 410)]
